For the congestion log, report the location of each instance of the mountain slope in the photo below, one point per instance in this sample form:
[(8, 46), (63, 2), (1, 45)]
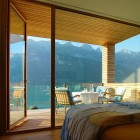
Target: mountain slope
[(73, 64)]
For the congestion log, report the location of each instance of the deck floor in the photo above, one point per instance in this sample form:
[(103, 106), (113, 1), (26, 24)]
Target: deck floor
[(40, 118)]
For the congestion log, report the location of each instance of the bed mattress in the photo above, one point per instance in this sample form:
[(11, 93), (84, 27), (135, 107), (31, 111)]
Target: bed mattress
[(89, 122)]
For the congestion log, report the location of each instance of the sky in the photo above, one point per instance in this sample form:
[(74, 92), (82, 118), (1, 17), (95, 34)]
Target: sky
[(17, 47), (132, 44), (61, 42)]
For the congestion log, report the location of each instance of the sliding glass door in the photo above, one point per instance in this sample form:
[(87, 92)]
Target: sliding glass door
[(17, 70)]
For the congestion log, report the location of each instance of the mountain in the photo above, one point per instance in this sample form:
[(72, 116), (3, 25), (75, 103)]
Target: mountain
[(73, 64), (16, 38), (77, 64), (127, 66)]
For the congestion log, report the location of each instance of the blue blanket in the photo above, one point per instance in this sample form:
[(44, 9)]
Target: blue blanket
[(88, 122)]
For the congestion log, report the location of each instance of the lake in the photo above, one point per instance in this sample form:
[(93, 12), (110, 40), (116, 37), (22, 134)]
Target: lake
[(38, 96)]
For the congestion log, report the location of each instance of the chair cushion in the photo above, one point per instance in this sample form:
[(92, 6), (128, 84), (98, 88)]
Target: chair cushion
[(120, 90), (100, 89), (61, 89), (101, 95), (117, 98)]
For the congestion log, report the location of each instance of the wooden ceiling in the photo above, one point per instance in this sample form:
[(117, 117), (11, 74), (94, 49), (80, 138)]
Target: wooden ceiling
[(37, 16), (16, 23), (72, 26), (91, 29)]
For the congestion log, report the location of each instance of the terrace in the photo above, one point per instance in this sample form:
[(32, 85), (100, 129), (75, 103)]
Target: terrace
[(37, 119)]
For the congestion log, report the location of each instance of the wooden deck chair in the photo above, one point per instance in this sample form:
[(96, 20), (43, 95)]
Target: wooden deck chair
[(64, 98), (102, 91), (117, 97)]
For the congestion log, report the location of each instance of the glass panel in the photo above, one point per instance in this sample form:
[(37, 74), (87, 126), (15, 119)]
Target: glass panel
[(78, 63), (127, 56), (39, 82), (78, 68), (17, 67)]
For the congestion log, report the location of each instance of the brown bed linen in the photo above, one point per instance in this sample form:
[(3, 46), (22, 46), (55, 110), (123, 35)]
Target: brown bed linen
[(122, 132)]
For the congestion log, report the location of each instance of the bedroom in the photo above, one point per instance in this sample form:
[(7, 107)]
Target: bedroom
[(108, 72)]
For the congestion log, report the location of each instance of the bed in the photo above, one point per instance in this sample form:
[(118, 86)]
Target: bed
[(102, 122)]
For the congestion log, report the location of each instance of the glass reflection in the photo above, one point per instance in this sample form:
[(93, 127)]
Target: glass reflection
[(17, 67)]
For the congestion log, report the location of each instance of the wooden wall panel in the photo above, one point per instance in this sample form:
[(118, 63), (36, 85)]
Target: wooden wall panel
[(111, 63), (104, 64), (108, 63)]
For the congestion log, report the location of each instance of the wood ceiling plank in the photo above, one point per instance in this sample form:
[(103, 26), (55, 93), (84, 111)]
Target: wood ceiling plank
[(73, 26)]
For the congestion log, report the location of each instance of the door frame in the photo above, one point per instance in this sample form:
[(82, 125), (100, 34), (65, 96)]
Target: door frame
[(25, 71), (4, 37)]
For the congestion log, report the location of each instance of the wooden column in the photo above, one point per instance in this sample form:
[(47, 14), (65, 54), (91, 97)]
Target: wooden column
[(4, 39), (108, 63)]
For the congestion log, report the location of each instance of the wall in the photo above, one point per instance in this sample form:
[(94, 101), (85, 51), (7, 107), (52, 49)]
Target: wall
[(108, 63)]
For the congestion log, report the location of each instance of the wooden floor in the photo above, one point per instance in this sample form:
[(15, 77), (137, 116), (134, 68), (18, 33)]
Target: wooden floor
[(43, 135), (40, 118)]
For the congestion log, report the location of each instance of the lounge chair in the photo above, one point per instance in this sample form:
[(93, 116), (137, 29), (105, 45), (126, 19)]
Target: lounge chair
[(102, 91), (65, 98), (117, 97)]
